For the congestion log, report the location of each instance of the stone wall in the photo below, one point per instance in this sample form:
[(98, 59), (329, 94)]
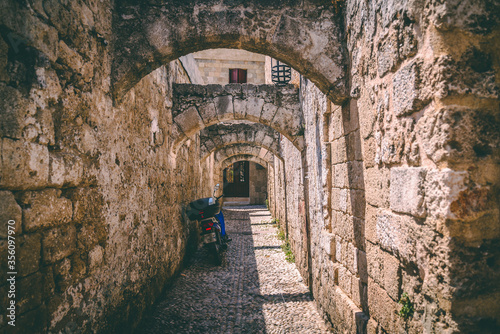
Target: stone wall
[(258, 183), (215, 64), (402, 183), (395, 192), (92, 186)]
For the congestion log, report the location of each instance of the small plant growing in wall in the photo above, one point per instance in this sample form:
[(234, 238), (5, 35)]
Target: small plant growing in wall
[(267, 203), (406, 310), (286, 247), (281, 235)]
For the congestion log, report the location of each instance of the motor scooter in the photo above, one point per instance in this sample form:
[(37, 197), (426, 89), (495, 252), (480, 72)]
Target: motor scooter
[(205, 210)]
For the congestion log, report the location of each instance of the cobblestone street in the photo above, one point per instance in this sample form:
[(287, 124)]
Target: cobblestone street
[(255, 290)]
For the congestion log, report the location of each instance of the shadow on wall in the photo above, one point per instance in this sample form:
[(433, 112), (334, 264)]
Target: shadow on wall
[(355, 171)]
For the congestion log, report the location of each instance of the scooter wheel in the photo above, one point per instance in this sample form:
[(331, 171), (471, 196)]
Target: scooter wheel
[(216, 250)]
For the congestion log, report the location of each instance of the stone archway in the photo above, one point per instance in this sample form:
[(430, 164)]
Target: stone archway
[(243, 149), (220, 166), (307, 35), (217, 136), (196, 107)]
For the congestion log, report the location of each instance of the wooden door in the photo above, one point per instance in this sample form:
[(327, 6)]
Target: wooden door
[(236, 181)]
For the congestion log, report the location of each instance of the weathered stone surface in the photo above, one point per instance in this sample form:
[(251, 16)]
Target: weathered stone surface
[(407, 190), (46, 209), (303, 50), (442, 188), (65, 170), (29, 253), (24, 165), (387, 55), (29, 292), (58, 243), (235, 103), (396, 234), (10, 212), (377, 182), (459, 133), (12, 121), (392, 276), (238, 133), (96, 256), (406, 89)]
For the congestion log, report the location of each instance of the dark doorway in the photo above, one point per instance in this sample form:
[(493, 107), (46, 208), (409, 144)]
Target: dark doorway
[(236, 180)]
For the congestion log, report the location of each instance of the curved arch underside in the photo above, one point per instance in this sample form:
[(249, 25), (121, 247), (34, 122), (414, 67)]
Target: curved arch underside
[(305, 35), (243, 157), (196, 107), (244, 149), (215, 137)]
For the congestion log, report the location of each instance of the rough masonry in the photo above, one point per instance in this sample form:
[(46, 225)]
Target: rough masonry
[(386, 182)]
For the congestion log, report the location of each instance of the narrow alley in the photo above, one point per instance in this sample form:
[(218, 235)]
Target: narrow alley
[(255, 290)]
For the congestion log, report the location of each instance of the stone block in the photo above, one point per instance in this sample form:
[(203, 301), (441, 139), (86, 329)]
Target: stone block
[(328, 243), (406, 89), (362, 266), (65, 170), (371, 224), (392, 276), (10, 211), (96, 256), (45, 209), (88, 204), (397, 234), (359, 232), (344, 226), (70, 57), (287, 121), (387, 54), (359, 292), (355, 172), (208, 113), (340, 177), (351, 258), (369, 152), (25, 165), (407, 190), (372, 327), (58, 243), (350, 124), (382, 308), (239, 105), (12, 121), (29, 292), (28, 254), (356, 203), (189, 121), (345, 277), (253, 108), (375, 261), (377, 181), (353, 146), (268, 112), (443, 188), (224, 107), (339, 151)]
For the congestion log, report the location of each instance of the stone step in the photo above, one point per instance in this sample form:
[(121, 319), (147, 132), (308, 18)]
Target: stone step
[(236, 201)]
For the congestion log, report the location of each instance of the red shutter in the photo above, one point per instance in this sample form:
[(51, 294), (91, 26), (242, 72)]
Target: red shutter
[(242, 76), (237, 75)]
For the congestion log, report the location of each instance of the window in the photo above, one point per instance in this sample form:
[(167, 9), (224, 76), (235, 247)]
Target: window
[(237, 75)]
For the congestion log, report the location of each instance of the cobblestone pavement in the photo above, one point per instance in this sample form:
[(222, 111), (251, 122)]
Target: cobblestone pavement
[(255, 290)]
